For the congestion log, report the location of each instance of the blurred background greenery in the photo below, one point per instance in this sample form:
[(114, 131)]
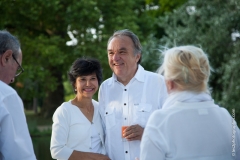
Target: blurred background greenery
[(54, 33)]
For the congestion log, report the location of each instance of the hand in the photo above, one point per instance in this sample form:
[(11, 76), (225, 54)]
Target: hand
[(133, 133)]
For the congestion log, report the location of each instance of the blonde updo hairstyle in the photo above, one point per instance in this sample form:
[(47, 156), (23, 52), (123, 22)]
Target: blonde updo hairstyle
[(188, 67)]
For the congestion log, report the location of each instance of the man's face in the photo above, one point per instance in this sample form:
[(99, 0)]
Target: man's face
[(121, 58), (10, 67)]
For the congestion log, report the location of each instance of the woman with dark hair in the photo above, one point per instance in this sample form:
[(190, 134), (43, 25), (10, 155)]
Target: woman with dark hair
[(77, 131)]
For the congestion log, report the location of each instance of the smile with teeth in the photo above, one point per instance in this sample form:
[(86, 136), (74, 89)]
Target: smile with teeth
[(88, 89)]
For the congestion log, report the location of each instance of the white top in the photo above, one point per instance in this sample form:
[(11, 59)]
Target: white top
[(191, 130), (95, 141), (128, 105), (71, 130), (15, 141)]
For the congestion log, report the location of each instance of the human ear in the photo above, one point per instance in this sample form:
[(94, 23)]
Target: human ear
[(6, 56), (138, 56), (170, 85)]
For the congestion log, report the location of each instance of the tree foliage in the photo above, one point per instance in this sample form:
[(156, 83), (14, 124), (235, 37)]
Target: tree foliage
[(42, 27), (211, 25)]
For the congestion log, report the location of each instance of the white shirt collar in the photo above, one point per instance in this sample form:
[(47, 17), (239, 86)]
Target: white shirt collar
[(187, 97), (138, 76)]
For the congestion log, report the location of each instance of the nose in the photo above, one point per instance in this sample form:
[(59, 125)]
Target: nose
[(88, 83), (115, 57)]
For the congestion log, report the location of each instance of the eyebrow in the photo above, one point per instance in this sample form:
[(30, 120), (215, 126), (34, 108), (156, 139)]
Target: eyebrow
[(121, 49)]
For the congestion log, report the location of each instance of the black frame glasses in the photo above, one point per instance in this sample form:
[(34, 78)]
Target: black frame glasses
[(20, 69)]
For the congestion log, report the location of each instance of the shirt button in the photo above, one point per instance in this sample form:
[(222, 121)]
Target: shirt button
[(106, 112), (90, 148), (125, 89), (126, 151), (124, 104), (125, 118)]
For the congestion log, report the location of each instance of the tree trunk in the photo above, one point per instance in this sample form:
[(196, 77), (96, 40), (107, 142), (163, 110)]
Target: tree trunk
[(35, 105), (54, 98)]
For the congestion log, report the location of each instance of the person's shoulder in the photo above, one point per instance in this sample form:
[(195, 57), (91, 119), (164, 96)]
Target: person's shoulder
[(153, 74), (63, 107), (3, 111), (157, 117), (224, 110), (6, 89), (95, 103), (106, 82), (155, 77)]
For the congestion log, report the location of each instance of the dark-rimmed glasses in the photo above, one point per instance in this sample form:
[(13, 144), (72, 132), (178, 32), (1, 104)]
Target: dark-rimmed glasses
[(20, 69)]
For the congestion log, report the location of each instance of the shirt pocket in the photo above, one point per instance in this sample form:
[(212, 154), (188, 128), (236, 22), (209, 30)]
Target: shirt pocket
[(142, 113), (110, 117)]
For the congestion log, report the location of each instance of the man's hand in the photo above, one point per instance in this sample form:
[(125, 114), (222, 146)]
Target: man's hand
[(133, 133)]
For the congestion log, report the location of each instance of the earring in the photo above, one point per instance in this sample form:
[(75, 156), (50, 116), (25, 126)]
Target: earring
[(75, 89)]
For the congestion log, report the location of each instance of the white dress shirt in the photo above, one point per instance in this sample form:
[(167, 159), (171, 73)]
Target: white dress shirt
[(71, 130), (15, 141), (128, 105), (187, 130)]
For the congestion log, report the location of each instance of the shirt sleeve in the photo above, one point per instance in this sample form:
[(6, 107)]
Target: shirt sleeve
[(60, 130), (14, 131), (153, 142)]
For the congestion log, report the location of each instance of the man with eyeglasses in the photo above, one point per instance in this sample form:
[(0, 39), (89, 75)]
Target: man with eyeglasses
[(15, 141)]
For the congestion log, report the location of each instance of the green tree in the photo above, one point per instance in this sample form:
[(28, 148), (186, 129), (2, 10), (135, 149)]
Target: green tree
[(42, 27), (211, 25)]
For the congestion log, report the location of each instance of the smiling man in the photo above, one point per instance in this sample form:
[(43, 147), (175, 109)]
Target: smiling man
[(128, 97), (15, 141)]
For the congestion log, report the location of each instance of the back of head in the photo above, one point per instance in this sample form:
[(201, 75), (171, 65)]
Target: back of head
[(9, 42), (188, 67), (136, 42)]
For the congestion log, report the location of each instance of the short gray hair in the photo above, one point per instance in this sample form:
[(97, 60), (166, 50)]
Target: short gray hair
[(137, 45), (8, 41)]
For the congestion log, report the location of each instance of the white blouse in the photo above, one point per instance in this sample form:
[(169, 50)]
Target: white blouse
[(71, 130), (191, 130)]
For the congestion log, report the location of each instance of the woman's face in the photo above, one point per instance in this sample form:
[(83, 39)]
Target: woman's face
[(87, 85)]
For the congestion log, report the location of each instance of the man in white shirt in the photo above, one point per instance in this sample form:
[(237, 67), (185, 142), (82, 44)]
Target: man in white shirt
[(15, 141), (128, 97)]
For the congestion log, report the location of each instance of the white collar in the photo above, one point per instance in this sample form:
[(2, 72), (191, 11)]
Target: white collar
[(187, 97), (138, 76)]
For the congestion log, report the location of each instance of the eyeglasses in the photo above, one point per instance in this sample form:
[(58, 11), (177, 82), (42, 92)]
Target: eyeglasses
[(20, 69)]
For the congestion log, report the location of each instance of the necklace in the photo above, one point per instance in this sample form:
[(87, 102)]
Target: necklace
[(88, 109)]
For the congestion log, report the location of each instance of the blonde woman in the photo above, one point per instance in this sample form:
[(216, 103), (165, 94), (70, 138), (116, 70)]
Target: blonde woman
[(190, 126)]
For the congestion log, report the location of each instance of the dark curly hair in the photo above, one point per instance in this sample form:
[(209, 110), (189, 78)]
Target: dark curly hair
[(84, 67)]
